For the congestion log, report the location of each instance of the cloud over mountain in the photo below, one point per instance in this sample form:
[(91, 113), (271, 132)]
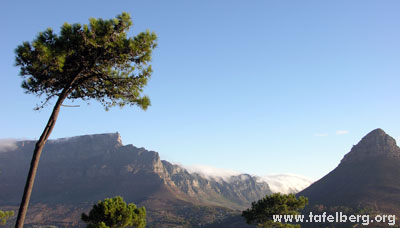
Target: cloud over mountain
[(8, 144), (287, 183), (283, 183), (210, 171)]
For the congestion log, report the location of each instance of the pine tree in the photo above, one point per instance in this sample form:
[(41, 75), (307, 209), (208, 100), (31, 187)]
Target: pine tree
[(95, 61), (115, 213), (262, 211)]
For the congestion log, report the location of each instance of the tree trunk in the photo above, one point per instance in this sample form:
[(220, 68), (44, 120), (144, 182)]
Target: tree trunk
[(36, 157)]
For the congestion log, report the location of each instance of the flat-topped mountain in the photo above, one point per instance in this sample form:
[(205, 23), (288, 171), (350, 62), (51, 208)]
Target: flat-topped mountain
[(367, 177), (76, 172)]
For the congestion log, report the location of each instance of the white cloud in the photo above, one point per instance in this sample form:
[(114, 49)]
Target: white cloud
[(287, 183), (342, 132), (210, 171), (8, 145), (283, 183), (321, 134)]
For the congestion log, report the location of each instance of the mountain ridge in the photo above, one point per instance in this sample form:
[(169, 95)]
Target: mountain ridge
[(76, 172)]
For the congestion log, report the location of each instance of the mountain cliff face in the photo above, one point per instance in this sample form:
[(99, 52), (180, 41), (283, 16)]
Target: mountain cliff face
[(237, 191), (76, 172), (367, 177)]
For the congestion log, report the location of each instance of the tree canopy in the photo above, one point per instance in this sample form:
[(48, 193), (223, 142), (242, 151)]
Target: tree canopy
[(262, 211), (94, 61), (115, 213)]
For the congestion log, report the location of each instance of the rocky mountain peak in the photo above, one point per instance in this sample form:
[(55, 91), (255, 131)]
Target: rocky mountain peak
[(374, 145)]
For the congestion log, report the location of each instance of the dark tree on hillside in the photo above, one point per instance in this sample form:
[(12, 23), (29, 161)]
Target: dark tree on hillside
[(115, 213), (262, 211), (95, 61)]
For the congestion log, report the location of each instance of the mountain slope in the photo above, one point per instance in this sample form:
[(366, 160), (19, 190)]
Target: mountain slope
[(76, 172), (367, 177)]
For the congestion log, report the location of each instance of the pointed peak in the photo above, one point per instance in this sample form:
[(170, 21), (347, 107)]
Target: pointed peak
[(377, 137), (375, 144), (377, 132)]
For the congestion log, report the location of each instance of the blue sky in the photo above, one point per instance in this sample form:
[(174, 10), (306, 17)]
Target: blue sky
[(254, 86)]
